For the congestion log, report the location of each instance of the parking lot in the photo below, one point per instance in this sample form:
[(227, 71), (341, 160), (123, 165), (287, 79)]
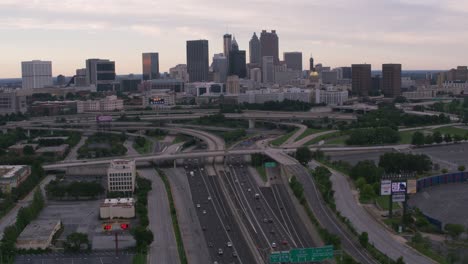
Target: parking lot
[(83, 217), (454, 153)]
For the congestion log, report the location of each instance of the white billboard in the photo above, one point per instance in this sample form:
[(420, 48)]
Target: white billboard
[(399, 187), (398, 197), (385, 187)]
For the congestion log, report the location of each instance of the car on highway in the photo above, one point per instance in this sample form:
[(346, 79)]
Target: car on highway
[(192, 173), (220, 251), (209, 198), (273, 245), (234, 254), (229, 244), (257, 196), (198, 205), (249, 190), (204, 211), (284, 242)]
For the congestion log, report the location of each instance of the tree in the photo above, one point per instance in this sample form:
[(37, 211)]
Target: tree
[(364, 239), (454, 230), (428, 139), (366, 169), (418, 139), (143, 236), (448, 138), (437, 137), (400, 261), (366, 193), (303, 155), (444, 170), (28, 150), (76, 240), (461, 168)]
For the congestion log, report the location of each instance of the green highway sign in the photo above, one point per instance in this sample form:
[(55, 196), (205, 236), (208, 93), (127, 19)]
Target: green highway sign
[(310, 254), (270, 164), (279, 256)]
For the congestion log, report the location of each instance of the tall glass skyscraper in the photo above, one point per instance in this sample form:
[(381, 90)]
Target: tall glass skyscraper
[(150, 66), (197, 60)]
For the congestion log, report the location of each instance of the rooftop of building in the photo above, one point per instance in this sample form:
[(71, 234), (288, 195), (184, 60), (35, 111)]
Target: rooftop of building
[(118, 201), (59, 148), (38, 230), (8, 171)]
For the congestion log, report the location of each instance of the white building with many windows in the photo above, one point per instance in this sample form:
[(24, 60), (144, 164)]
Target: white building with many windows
[(108, 104), (331, 96), (121, 176), (36, 74)]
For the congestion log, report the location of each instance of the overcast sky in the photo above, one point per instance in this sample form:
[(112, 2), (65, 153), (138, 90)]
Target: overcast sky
[(420, 34)]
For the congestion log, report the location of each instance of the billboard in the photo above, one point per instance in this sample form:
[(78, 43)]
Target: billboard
[(103, 118), (385, 187), (156, 101), (399, 187), (412, 186), (398, 197)]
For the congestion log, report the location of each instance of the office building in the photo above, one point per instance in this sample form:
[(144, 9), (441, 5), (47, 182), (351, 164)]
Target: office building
[(237, 63), (376, 85), (12, 102), (269, 45), (268, 69), (11, 176), (129, 84), (293, 60), (101, 73), (108, 104), (255, 50), (391, 80), (80, 77), (117, 208), (461, 74), (361, 79), (311, 64), (179, 72), (173, 85), (256, 75), (150, 66), (36, 74), (227, 45), (61, 80), (220, 68), (331, 96), (197, 60), (232, 85), (121, 176), (346, 73), (329, 77)]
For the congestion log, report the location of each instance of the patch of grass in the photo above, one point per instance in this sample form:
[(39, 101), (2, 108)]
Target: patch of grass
[(308, 132), (451, 130), (382, 202), (145, 149), (139, 258), (179, 138), (337, 141), (406, 136), (262, 171), (323, 137), (280, 141), (428, 252)]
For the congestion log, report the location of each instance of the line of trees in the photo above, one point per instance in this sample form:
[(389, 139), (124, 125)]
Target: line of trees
[(420, 138), (57, 190), (232, 136), (373, 136)]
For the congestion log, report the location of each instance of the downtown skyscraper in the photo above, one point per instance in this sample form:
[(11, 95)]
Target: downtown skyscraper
[(391, 80), (197, 60), (255, 50), (293, 60), (150, 63), (269, 44), (361, 79), (237, 64)]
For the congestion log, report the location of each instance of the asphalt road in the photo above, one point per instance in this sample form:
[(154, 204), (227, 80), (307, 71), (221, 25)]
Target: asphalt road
[(383, 240), (215, 217), (164, 247)]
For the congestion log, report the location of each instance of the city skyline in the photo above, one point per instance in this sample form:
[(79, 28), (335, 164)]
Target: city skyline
[(69, 32)]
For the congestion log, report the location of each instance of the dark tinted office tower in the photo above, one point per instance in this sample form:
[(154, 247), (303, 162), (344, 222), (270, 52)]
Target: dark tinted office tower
[(237, 64), (347, 73), (61, 80), (311, 64), (361, 79), (227, 44), (100, 73), (255, 50), (391, 80), (150, 66), (269, 45), (197, 60), (376, 85), (293, 60)]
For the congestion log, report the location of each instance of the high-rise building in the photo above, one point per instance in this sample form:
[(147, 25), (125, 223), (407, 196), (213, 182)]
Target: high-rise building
[(361, 79), (391, 80), (36, 74), (61, 80), (179, 72), (311, 64), (232, 85), (237, 64), (101, 73), (376, 85), (256, 75), (11, 102), (150, 66), (227, 45), (268, 68), (220, 68), (346, 73), (269, 45), (197, 60), (461, 73), (293, 60), (255, 50)]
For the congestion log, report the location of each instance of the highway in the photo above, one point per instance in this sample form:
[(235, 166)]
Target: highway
[(215, 217)]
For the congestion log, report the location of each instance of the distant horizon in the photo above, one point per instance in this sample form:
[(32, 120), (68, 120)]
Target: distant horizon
[(337, 33)]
